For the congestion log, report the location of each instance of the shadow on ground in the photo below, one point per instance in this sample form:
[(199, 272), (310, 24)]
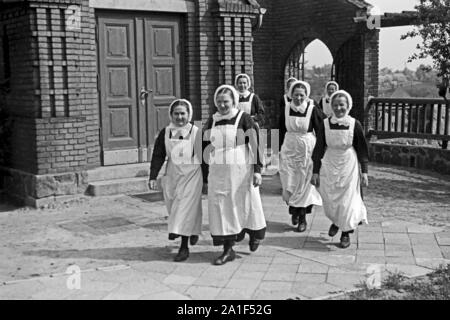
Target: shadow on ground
[(139, 254)]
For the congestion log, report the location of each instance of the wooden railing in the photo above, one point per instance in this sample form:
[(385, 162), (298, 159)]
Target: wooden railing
[(409, 118)]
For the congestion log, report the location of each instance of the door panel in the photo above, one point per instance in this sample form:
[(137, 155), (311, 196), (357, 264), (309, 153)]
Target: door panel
[(136, 51), (163, 69), (117, 84)]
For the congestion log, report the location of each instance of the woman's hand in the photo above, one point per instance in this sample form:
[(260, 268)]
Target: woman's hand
[(286, 196), (257, 179), (365, 179), (315, 180), (152, 185)]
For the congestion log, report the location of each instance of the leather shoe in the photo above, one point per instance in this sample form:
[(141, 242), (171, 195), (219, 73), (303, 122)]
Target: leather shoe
[(229, 255), (301, 226), (254, 244), (240, 236), (193, 240), (182, 255), (333, 230), (345, 241)]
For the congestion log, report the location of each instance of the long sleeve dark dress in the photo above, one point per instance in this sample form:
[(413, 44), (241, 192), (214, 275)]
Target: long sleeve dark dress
[(257, 109), (359, 143), (246, 123)]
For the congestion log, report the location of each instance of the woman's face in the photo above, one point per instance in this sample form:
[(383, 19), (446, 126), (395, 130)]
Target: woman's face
[(340, 106), (242, 84), (331, 89), (224, 103), (180, 116), (299, 95)]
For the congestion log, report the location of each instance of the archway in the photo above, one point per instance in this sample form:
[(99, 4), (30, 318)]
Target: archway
[(311, 61)]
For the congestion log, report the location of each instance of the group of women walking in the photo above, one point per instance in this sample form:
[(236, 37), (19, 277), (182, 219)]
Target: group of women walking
[(323, 152)]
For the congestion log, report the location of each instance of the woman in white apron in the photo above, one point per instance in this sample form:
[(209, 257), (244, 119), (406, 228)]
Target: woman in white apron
[(234, 177), (248, 101), (285, 101), (341, 155), (325, 103), (182, 183), (302, 119)]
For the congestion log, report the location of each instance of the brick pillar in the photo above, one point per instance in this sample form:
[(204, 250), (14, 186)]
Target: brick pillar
[(235, 40), (67, 118), (371, 71), (52, 98)]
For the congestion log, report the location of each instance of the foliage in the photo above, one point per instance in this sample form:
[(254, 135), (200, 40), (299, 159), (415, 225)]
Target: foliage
[(434, 286), (419, 83), (433, 26)]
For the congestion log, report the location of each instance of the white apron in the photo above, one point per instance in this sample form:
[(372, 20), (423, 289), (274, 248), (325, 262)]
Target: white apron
[(340, 180), (234, 203), (182, 186), (326, 106), (296, 165), (246, 106)]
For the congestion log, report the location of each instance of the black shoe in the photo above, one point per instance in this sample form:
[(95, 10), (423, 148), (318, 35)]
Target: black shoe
[(240, 236), (193, 240), (227, 256), (345, 241), (254, 244), (302, 226), (333, 230), (302, 223), (182, 255)]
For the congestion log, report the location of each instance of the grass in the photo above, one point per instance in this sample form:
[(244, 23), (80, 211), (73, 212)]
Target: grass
[(434, 286)]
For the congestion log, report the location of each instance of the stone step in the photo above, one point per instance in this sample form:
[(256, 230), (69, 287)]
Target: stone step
[(118, 172), (120, 186)]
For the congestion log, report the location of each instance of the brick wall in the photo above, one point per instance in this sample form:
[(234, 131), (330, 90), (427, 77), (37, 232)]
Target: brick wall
[(192, 62), (68, 114), (428, 158), (53, 82)]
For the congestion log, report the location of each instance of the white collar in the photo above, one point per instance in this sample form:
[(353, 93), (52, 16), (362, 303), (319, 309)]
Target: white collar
[(244, 94), (344, 121), (180, 131), (218, 117), (301, 108)]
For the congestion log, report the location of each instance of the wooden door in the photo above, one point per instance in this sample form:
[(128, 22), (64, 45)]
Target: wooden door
[(163, 69), (137, 52)]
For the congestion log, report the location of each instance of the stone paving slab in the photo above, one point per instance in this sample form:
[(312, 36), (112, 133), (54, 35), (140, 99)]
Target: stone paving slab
[(120, 244)]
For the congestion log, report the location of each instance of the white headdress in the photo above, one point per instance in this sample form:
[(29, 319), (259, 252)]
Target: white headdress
[(176, 102), (346, 119), (304, 84), (328, 84), (217, 116), (242, 75)]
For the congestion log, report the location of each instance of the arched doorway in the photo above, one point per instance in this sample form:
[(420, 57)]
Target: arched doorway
[(311, 61)]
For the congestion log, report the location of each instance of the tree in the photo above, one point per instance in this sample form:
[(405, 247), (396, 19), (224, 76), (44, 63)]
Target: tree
[(433, 26)]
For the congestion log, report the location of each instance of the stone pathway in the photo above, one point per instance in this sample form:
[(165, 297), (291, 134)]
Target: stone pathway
[(120, 245)]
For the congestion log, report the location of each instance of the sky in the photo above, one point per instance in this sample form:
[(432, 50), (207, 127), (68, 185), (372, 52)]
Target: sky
[(394, 52)]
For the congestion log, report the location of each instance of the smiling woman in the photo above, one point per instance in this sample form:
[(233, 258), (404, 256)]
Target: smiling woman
[(233, 176)]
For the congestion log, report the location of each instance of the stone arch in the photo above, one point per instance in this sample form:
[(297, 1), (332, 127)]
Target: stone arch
[(295, 63)]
